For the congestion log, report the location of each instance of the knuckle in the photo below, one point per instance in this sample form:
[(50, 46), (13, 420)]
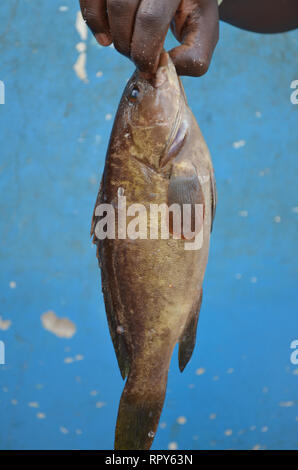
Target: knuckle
[(117, 7), (199, 66), (150, 19)]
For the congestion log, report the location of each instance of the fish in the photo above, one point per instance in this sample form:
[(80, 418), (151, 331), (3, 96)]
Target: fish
[(152, 285)]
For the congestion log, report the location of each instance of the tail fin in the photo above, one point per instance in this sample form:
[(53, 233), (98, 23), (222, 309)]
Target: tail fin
[(140, 409)]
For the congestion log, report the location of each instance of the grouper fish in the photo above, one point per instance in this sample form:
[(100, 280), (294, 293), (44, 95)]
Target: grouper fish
[(152, 285)]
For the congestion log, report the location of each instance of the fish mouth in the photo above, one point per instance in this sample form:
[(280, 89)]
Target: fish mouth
[(178, 134)]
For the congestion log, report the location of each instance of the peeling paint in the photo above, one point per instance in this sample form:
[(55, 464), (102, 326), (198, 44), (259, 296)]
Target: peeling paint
[(61, 327), (81, 26), (80, 67), (4, 324)]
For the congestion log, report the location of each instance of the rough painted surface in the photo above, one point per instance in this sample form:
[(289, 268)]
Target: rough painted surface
[(240, 388)]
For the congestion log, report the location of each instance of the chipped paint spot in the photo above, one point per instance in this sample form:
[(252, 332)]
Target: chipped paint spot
[(238, 144), (81, 26), (99, 73), (228, 432), (238, 276), (79, 432), (264, 429), (181, 420), (277, 219), (68, 360), (253, 428), (163, 425), (61, 327), (81, 47), (253, 280), (33, 404), (295, 209), (265, 390), (80, 67), (195, 437), (14, 401), (215, 378), (63, 8), (108, 117), (39, 386), (286, 404), (100, 404), (264, 172), (243, 213), (200, 371), (4, 389), (256, 447), (63, 430), (258, 114), (212, 416), (4, 324), (173, 446), (12, 284), (295, 372), (230, 370), (93, 393), (79, 357), (40, 415), (191, 386)]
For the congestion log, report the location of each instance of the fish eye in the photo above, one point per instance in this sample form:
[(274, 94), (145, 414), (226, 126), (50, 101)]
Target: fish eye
[(134, 94)]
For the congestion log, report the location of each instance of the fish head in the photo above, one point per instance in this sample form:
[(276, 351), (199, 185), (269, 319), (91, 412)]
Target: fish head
[(152, 105)]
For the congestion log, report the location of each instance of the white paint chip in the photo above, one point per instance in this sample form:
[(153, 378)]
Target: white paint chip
[(230, 370), (108, 117), (33, 404), (295, 209), (200, 371), (63, 8), (256, 447), (81, 47), (61, 327), (12, 284), (100, 404), (238, 144), (79, 432), (173, 446), (286, 404), (228, 432), (4, 324), (63, 430), (243, 213), (81, 26), (258, 114), (93, 393), (264, 429), (80, 67), (40, 415), (99, 73), (181, 420), (14, 401), (163, 425), (253, 279), (212, 416), (277, 219)]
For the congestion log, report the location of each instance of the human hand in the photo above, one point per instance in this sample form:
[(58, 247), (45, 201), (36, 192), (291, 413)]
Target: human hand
[(138, 29)]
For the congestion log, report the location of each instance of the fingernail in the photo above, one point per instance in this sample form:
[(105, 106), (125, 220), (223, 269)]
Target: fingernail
[(103, 39)]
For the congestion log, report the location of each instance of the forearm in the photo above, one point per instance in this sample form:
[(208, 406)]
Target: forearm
[(261, 16)]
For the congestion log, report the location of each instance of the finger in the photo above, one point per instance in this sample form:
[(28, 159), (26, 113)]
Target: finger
[(122, 15), (198, 33), (95, 14), (151, 25)]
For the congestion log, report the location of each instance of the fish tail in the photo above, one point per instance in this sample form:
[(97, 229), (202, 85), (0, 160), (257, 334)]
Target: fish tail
[(140, 409)]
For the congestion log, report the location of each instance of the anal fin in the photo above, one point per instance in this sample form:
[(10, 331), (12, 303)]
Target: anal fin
[(188, 338)]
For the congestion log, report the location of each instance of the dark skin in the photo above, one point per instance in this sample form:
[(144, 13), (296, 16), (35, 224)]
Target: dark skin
[(138, 27)]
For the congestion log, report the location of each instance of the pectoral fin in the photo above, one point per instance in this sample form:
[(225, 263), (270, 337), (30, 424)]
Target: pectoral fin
[(185, 190), (188, 338)]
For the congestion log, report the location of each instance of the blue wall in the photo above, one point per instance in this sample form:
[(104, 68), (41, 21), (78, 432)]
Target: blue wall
[(240, 388)]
